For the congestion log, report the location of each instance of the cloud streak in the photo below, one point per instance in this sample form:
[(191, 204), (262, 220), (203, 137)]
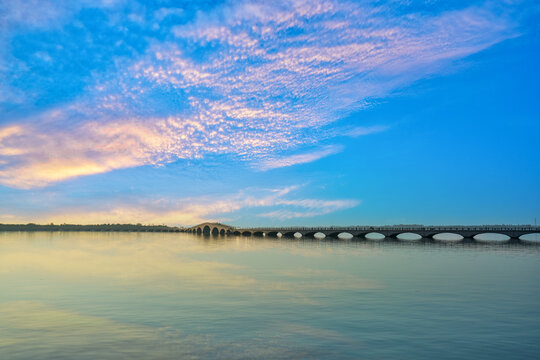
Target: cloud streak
[(190, 210), (310, 208), (296, 159)]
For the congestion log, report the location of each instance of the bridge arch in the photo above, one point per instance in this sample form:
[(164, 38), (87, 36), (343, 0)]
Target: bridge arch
[(345, 235), (409, 236), (289, 234), (332, 234), (491, 237), (374, 236), (530, 238), (447, 236)]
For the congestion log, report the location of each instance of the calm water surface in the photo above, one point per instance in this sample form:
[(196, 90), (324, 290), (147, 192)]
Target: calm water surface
[(170, 296)]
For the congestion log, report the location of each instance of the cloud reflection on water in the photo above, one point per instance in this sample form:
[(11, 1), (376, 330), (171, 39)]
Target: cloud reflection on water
[(152, 295), (164, 262), (35, 330)]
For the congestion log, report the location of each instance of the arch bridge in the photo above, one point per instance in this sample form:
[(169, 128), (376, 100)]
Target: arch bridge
[(467, 232), (211, 228)]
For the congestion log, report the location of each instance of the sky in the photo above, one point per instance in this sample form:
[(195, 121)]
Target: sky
[(259, 113)]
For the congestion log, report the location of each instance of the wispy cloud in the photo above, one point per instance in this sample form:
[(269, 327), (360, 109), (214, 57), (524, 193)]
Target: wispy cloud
[(188, 210), (273, 163), (365, 130), (309, 208), (249, 80)]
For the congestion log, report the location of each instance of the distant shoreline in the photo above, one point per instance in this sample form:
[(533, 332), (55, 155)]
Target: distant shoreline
[(97, 227)]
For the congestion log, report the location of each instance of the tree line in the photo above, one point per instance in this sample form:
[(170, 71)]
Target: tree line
[(97, 227)]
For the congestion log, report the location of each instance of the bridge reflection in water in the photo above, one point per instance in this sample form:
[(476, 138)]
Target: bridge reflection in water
[(467, 232)]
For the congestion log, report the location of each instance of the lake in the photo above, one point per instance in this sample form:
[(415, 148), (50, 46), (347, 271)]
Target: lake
[(91, 295)]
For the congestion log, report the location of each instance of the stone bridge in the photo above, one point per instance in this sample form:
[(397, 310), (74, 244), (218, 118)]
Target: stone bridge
[(210, 228), (468, 232)]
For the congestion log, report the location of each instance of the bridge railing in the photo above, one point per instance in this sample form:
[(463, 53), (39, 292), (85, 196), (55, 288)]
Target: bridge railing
[(400, 228)]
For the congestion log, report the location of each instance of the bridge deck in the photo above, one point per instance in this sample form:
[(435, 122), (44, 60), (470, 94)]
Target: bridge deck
[(513, 231)]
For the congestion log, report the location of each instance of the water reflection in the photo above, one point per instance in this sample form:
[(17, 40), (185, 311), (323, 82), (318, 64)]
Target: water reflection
[(346, 244), (531, 238), (492, 237), (447, 237), (161, 295), (33, 328), (409, 237)]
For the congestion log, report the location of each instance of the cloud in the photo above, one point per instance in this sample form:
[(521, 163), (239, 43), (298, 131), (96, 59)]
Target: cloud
[(309, 208), (366, 130), (188, 211), (296, 159), (23, 13), (36, 155), (247, 80), (51, 13)]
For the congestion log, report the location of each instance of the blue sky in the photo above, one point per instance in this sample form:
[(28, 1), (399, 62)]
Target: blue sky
[(267, 113)]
